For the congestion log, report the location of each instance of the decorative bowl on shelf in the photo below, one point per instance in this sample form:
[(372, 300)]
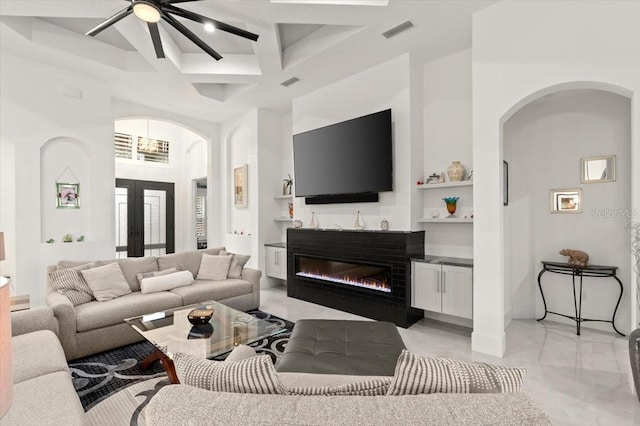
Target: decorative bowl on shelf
[(200, 316)]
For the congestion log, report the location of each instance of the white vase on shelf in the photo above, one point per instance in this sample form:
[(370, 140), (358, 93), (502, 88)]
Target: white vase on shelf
[(455, 171)]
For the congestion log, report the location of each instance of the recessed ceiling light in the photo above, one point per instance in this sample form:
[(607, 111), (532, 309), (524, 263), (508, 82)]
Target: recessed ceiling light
[(209, 27), (337, 2)]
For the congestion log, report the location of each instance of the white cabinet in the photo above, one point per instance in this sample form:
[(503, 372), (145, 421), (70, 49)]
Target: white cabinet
[(276, 262), (441, 288)]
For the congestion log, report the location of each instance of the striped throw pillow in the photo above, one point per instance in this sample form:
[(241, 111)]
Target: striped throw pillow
[(70, 283), (415, 375), (366, 388), (251, 375)]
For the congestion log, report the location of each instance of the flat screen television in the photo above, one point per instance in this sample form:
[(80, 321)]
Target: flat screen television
[(343, 161)]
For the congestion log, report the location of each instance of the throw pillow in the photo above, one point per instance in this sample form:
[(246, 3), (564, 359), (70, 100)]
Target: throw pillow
[(237, 263), (251, 375), (106, 282), (152, 274), (166, 282), (416, 375), (214, 267), (70, 283), (366, 388)]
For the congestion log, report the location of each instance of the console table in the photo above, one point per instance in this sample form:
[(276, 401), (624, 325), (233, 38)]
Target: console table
[(575, 271)]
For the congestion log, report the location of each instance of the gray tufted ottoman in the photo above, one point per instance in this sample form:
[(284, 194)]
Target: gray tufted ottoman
[(362, 348)]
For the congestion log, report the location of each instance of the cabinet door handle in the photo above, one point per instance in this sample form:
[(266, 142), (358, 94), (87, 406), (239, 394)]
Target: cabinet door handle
[(438, 282), (444, 282)]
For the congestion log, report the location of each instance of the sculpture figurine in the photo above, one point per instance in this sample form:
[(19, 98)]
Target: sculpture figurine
[(576, 257)]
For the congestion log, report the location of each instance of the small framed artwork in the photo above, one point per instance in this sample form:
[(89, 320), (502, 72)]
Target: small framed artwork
[(566, 200), (68, 195), (505, 183), (240, 186)]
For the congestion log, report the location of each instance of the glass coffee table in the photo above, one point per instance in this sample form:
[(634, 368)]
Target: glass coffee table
[(170, 332)]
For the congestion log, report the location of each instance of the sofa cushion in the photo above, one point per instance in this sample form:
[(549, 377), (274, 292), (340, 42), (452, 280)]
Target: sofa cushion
[(166, 282), (237, 263), (214, 267), (45, 400), (202, 290), (72, 284), (173, 404), (106, 282), (187, 260), (252, 375), (416, 375), (94, 315), (132, 266), (36, 354)]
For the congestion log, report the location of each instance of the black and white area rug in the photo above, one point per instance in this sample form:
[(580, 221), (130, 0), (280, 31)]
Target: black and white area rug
[(114, 389)]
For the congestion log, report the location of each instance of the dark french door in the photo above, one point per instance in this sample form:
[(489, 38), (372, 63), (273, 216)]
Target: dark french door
[(145, 214)]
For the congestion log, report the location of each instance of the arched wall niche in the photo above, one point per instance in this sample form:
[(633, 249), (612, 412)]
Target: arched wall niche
[(65, 160), (543, 137)]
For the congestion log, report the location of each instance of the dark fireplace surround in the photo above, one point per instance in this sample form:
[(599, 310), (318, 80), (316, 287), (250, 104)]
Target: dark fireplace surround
[(386, 253)]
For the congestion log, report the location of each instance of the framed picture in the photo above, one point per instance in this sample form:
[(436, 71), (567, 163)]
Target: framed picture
[(505, 183), (566, 200), (68, 195), (240, 186)]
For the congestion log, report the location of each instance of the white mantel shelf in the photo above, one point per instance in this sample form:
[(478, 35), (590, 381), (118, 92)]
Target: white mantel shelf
[(445, 220), (446, 184)]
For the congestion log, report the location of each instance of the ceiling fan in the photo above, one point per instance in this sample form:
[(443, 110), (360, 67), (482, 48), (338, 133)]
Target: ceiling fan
[(151, 11)]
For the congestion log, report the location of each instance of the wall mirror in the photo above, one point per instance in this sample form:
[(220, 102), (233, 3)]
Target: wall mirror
[(598, 169), (566, 200)]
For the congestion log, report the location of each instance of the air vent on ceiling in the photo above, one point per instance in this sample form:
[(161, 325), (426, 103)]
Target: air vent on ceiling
[(398, 29), (289, 82)]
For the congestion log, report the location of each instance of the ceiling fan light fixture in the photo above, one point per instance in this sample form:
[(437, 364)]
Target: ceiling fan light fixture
[(146, 10)]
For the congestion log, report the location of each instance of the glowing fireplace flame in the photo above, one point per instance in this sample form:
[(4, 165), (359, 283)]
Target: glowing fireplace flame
[(369, 283)]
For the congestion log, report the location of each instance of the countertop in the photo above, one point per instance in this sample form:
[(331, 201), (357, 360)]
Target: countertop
[(278, 245), (443, 260)]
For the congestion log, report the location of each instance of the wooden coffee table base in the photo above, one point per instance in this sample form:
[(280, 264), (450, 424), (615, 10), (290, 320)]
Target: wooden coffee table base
[(167, 364)]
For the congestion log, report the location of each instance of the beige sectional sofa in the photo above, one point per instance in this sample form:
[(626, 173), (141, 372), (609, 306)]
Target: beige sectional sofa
[(175, 403), (96, 326), (43, 393)]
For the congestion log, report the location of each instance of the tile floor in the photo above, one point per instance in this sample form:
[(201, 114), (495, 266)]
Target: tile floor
[(578, 380)]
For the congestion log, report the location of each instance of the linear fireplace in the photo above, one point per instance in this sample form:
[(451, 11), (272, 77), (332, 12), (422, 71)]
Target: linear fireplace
[(367, 273), (371, 277)]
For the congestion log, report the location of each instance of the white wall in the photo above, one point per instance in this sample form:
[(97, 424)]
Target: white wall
[(546, 140), (447, 138), (378, 88), (521, 51), (33, 111)]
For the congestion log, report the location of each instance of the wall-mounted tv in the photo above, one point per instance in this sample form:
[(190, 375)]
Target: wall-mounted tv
[(351, 161)]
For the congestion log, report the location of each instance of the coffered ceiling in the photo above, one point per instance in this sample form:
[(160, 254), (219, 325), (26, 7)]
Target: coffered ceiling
[(316, 41)]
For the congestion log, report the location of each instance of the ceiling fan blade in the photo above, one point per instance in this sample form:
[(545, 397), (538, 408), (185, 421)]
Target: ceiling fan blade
[(203, 20), (191, 36), (155, 37), (110, 21)]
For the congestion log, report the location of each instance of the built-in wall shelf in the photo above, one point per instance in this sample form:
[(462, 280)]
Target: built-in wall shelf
[(283, 219), (446, 185), (283, 197), (446, 220)]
